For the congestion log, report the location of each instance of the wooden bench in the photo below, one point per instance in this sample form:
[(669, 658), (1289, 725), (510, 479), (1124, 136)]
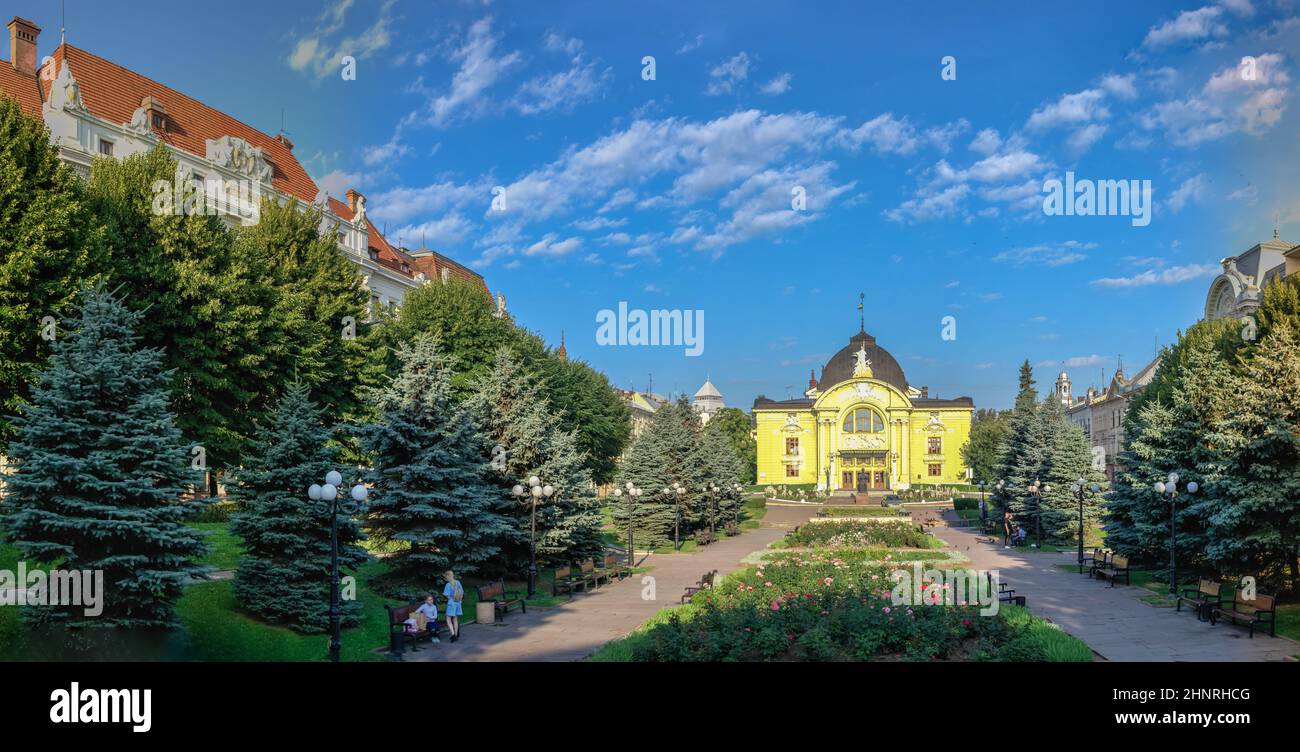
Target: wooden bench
[(566, 581), (1204, 597), (1005, 591), (501, 598), (705, 582), (399, 631), (1261, 611), (1100, 560), (589, 573), (617, 567), (1117, 568)]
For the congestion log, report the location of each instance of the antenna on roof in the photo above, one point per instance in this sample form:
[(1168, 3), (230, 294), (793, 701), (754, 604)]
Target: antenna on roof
[(63, 21), (1277, 217), (282, 130)]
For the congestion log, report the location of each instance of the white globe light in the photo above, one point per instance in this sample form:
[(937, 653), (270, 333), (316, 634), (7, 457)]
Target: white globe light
[(666, 491), (1160, 488), (618, 492), (629, 485), (534, 481), (333, 478), (518, 490), (548, 490), (329, 492), (359, 493), (1173, 477), (1075, 488), (1095, 488), (313, 492), (1192, 487), (537, 492)]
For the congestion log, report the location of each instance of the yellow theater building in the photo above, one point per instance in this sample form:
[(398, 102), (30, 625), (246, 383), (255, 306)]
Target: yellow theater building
[(862, 427)]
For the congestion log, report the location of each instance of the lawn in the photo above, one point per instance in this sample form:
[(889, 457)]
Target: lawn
[(227, 548)]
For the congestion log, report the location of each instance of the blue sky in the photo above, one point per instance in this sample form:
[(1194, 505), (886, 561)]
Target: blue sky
[(675, 193)]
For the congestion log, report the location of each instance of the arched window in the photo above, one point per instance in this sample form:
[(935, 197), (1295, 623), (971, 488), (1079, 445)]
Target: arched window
[(863, 420)]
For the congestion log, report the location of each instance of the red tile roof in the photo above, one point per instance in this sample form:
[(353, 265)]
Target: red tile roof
[(114, 93), (20, 87), (381, 251), (432, 264)]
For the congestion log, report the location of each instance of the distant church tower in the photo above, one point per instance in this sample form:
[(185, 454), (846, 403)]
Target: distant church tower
[(708, 401), (1063, 389)]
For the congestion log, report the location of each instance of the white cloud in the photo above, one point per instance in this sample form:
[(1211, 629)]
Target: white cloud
[(986, 142), (1047, 254), (481, 66), (778, 85), (1079, 361), (929, 206), (1171, 276), (551, 245), (1190, 25), (1080, 107), (1121, 87), (1228, 103), (1083, 138), (582, 81), (1192, 191), (693, 44), (319, 55), (725, 76)]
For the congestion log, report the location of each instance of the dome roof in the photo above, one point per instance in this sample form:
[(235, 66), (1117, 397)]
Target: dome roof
[(883, 365), (708, 390)]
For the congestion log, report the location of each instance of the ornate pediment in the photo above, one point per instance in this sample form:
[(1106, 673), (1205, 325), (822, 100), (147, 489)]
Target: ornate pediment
[(240, 156), (65, 92), (791, 424), (935, 423)]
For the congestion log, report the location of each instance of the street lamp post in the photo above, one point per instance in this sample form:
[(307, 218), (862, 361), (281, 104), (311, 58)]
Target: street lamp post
[(1171, 488), (1078, 488), (1037, 490), (536, 490), (713, 506), (674, 494), (633, 493), (1001, 490), (330, 493)]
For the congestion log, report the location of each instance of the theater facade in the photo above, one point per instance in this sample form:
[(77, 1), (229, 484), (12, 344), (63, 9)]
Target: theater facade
[(862, 427)]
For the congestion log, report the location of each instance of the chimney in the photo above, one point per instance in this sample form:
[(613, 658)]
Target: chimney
[(22, 45), (285, 140), (925, 392), (352, 199)]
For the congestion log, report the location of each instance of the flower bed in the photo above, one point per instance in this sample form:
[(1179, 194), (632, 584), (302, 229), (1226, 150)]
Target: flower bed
[(860, 533), (834, 605)]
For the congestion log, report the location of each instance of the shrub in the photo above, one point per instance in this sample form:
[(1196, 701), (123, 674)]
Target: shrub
[(851, 533)]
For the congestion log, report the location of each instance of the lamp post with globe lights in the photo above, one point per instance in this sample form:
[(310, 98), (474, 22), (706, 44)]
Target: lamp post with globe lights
[(674, 494), (713, 490), (536, 491), (330, 493), (1171, 487), (1078, 488), (633, 495), (1037, 490)]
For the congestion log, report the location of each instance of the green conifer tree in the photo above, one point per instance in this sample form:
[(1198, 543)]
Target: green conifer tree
[(98, 471), (284, 576)]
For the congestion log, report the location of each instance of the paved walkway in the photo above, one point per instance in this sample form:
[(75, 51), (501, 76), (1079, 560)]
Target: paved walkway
[(1112, 621), (573, 631)]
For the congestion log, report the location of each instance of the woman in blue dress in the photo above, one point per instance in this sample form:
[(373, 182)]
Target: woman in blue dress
[(455, 594)]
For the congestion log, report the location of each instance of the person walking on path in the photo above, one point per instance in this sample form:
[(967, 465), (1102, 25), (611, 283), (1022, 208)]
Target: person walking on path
[(455, 594)]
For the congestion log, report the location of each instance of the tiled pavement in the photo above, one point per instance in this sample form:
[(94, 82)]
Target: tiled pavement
[(583, 625), (1112, 621)]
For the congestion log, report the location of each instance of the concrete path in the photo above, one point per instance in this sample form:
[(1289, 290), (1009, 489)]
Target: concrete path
[(573, 631), (1112, 621)]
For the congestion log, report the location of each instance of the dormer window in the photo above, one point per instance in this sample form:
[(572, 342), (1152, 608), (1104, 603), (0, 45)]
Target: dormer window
[(156, 112), (374, 255)]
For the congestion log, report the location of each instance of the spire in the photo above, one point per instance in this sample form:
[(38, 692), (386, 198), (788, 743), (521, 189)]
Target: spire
[(562, 352), (812, 379), (1277, 218), (862, 317)]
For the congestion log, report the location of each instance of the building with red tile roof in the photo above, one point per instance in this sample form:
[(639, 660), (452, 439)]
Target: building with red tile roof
[(93, 107)]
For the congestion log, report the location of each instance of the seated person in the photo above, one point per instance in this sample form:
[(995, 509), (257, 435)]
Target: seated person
[(1020, 536), (429, 610)]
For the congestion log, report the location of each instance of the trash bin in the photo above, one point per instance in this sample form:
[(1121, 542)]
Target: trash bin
[(485, 612)]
